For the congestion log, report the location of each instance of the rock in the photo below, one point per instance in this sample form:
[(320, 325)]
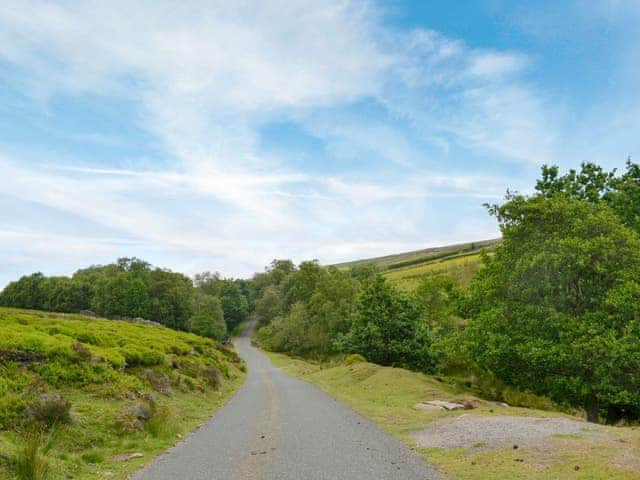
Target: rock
[(88, 313), (125, 457), (440, 404)]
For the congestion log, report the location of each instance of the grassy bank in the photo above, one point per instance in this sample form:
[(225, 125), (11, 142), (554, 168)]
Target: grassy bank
[(105, 396), (389, 396)]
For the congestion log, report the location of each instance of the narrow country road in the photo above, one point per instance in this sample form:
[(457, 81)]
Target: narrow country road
[(278, 427)]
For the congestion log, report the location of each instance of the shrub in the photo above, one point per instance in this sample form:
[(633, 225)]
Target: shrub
[(160, 420), (49, 409), (213, 376), (158, 381), (92, 457), (81, 352), (140, 356), (12, 406), (30, 462), (354, 358)]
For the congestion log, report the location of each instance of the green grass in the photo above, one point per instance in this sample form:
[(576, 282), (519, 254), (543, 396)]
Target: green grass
[(406, 270), (388, 395), (407, 259), (461, 268), (107, 370)]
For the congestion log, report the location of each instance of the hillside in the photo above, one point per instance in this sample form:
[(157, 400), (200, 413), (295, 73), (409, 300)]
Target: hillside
[(405, 270), (106, 394)]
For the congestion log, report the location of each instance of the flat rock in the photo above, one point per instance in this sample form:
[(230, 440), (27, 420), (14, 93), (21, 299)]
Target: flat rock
[(438, 404), (125, 457)]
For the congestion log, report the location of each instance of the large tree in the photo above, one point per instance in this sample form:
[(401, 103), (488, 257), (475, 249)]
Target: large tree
[(555, 310), (386, 328)]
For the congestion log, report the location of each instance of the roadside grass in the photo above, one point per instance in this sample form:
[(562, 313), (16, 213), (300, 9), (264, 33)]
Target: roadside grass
[(134, 390), (388, 396), (460, 268)]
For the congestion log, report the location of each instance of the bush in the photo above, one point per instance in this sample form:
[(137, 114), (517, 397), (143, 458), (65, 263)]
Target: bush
[(354, 358), (92, 457), (213, 376), (48, 410)]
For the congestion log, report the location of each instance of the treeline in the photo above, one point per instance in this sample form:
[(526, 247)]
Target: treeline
[(131, 288), (314, 311), (555, 311)]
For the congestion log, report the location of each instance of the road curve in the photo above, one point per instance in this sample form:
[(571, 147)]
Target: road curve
[(279, 427)]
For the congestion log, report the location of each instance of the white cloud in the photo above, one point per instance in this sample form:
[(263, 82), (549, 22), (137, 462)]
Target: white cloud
[(207, 75)]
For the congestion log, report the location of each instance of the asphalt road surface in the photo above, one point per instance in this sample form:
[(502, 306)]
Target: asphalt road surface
[(278, 427)]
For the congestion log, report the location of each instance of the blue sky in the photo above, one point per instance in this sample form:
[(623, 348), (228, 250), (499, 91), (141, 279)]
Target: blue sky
[(210, 135)]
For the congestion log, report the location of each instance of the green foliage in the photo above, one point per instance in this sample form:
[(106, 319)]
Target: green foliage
[(593, 184), (386, 328), (440, 300), (234, 304), (128, 288), (104, 369), (234, 297), (208, 318), (270, 304), (354, 358), (49, 409), (553, 311), (30, 462), (305, 310), (24, 293)]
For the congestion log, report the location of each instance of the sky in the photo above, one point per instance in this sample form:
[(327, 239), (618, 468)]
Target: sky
[(216, 135)]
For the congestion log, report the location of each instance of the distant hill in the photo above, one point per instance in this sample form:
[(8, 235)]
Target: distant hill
[(406, 269)]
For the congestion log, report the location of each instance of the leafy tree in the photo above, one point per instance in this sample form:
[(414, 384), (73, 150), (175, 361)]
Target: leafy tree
[(234, 304), (386, 329), (269, 305), (439, 299), (288, 333), (208, 318), (63, 294), (170, 298), (301, 283), (593, 184), (24, 293), (551, 310)]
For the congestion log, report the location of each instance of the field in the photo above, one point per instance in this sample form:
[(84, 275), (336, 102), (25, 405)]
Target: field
[(461, 268), (389, 395), (133, 390), (405, 270)]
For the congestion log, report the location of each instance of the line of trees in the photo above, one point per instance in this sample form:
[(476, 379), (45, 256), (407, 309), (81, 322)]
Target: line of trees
[(555, 311), (209, 305)]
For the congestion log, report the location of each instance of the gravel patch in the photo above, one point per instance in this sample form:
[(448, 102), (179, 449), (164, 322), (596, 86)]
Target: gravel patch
[(473, 431)]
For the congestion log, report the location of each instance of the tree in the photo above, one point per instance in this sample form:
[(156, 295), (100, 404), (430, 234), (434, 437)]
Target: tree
[(269, 305), (208, 318), (234, 303), (24, 293), (63, 294), (170, 298), (593, 184), (439, 298), (386, 329), (550, 310)]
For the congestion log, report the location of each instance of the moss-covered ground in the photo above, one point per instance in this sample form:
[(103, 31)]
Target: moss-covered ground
[(134, 389)]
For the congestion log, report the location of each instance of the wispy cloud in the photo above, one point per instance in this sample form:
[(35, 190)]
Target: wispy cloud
[(414, 120)]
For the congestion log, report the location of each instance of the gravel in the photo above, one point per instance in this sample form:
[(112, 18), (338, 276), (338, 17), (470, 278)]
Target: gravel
[(473, 431)]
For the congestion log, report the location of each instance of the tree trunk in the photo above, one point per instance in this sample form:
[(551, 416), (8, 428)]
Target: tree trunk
[(592, 407)]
